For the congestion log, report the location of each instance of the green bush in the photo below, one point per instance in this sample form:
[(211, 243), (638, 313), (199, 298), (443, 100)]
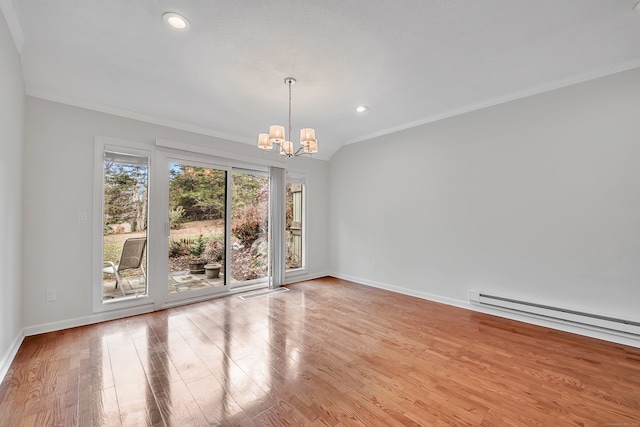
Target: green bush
[(198, 246)]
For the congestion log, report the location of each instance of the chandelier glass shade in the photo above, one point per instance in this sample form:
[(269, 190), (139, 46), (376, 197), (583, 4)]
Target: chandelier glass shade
[(277, 135)]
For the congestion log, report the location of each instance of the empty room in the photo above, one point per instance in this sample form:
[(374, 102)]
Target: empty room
[(303, 213)]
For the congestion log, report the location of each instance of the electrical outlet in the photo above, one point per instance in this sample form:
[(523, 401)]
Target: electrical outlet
[(82, 217), (51, 295)]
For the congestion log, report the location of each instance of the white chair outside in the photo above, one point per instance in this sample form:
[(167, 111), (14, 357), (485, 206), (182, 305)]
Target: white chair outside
[(130, 258)]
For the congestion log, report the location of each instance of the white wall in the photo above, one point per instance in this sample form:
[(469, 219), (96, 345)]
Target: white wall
[(538, 199), (11, 147), (59, 155)]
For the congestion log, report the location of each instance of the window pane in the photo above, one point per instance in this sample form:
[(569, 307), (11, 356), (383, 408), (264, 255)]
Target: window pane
[(249, 227), (197, 212), (294, 225), (125, 225)]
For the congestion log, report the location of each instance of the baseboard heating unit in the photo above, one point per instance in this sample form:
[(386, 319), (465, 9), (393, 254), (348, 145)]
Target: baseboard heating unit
[(578, 318)]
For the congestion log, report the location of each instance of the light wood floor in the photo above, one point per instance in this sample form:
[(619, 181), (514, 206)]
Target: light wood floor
[(327, 353)]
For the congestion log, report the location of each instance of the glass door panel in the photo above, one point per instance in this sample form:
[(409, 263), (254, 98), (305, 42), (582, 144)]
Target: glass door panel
[(197, 229), (249, 228)]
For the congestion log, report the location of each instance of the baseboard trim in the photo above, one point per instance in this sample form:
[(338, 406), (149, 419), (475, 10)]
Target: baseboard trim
[(533, 320), (305, 277), (134, 311), (43, 328), (7, 359), (405, 291)]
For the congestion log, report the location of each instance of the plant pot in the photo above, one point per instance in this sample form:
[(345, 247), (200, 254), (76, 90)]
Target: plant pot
[(212, 270), (196, 266)]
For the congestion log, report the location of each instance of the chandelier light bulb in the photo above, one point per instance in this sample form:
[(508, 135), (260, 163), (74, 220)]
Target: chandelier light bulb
[(312, 147), (276, 134), (264, 142), (307, 135), (286, 148)]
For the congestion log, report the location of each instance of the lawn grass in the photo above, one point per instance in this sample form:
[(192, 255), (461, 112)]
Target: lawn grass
[(111, 252)]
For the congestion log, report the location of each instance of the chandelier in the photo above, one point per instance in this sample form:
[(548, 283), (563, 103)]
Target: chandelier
[(277, 136)]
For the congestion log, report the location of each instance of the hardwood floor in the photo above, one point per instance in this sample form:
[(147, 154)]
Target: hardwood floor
[(327, 353)]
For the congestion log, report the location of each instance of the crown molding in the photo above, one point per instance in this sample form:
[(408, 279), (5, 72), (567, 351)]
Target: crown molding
[(80, 103), (558, 84)]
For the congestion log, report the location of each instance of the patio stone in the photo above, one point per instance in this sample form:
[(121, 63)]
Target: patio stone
[(178, 282)]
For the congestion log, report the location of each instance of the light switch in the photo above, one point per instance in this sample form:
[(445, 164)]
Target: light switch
[(82, 217)]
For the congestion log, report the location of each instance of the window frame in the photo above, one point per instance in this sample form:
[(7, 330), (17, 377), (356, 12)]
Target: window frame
[(300, 177), (124, 147)]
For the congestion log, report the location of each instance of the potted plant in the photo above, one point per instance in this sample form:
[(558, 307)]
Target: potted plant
[(196, 262), (212, 270), (214, 252)]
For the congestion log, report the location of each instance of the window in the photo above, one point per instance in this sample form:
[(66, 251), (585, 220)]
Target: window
[(295, 222), (124, 223)]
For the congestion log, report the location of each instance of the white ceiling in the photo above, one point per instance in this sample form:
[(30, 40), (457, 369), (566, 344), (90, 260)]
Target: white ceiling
[(410, 61)]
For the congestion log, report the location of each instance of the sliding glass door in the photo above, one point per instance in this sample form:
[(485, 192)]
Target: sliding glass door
[(197, 217), (218, 222)]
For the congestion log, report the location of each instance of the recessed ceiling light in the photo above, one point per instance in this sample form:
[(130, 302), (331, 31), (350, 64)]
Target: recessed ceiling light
[(361, 108), (175, 21)]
